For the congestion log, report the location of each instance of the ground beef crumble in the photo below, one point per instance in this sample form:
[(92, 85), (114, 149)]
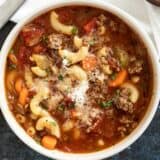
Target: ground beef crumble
[(135, 67), (123, 102), (90, 119), (55, 41), (127, 124)]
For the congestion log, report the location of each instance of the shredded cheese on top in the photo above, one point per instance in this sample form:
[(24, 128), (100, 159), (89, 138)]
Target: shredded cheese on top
[(78, 93)]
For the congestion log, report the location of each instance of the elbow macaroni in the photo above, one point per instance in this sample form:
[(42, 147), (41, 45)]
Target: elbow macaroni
[(38, 71), (77, 72), (134, 93), (103, 53), (41, 60), (77, 41), (42, 64), (74, 57), (49, 123), (28, 78), (64, 85), (35, 102), (58, 26), (106, 69)]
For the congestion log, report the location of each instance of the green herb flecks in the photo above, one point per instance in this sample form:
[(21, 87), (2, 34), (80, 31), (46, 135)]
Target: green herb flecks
[(12, 66), (38, 141), (12, 51), (48, 71), (60, 77), (61, 108), (44, 39), (53, 123), (106, 104), (74, 30), (91, 43), (113, 76)]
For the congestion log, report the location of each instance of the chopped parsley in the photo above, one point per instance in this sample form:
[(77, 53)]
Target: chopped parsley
[(48, 70), (12, 51), (12, 66), (60, 77), (53, 123), (113, 76), (91, 42), (74, 30), (44, 39), (38, 141), (106, 104), (61, 108)]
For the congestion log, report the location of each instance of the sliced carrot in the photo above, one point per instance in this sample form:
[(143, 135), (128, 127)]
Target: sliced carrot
[(90, 25), (23, 95), (49, 142), (89, 63), (19, 84), (10, 79), (12, 58), (120, 78), (75, 113)]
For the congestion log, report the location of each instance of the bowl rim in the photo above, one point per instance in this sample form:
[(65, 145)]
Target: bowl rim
[(118, 147)]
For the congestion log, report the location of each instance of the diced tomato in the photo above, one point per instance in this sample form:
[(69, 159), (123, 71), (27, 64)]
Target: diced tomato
[(65, 16), (89, 63), (32, 34), (39, 48), (23, 56), (91, 25)]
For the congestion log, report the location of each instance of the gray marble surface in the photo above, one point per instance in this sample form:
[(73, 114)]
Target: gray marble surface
[(147, 147)]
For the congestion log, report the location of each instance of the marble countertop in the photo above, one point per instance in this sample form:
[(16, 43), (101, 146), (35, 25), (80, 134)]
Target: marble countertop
[(147, 147)]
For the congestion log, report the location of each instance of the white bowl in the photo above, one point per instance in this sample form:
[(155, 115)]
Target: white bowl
[(56, 154)]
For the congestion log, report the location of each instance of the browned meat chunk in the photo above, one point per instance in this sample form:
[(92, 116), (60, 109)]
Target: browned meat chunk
[(113, 63), (32, 34), (111, 60), (90, 118), (123, 102), (136, 67), (55, 41), (122, 130), (127, 125)]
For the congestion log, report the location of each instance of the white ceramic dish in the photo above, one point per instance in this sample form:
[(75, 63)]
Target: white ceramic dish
[(119, 146), (131, 7)]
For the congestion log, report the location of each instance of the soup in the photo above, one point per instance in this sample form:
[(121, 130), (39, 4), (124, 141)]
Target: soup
[(78, 79)]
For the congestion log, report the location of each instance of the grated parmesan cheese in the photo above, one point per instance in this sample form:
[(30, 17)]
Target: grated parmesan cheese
[(65, 62), (78, 94), (96, 75)]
